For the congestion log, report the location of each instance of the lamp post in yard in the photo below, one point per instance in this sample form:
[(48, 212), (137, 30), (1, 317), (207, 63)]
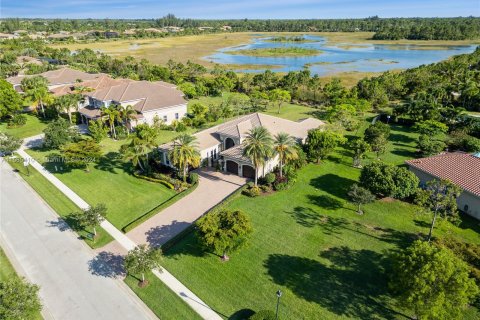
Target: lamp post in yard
[(279, 294)]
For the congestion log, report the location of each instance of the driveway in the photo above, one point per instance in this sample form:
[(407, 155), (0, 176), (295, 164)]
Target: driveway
[(72, 283), (213, 187)]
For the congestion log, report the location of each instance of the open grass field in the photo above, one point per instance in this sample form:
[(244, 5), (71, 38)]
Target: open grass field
[(110, 182), (59, 203), (34, 126), (310, 243)]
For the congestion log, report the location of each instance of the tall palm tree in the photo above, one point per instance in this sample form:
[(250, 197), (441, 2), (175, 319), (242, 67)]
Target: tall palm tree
[(36, 90), (113, 115), (258, 146), (66, 103), (126, 114), (185, 153), (135, 151), (284, 146)]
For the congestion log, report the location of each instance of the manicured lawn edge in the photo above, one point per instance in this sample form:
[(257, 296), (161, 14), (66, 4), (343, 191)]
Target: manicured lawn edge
[(135, 223), (42, 186), (160, 299)]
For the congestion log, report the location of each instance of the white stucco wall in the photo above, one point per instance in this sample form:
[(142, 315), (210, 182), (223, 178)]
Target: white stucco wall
[(168, 112)]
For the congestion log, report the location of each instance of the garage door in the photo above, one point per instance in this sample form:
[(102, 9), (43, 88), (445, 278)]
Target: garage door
[(232, 167), (248, 172)]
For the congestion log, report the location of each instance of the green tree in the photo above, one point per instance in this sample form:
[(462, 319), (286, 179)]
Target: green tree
[(389, 181), (112, 115), (142, 259), (344, 114), (97, 130), (376, 130), (430, 127), (258, 146), (321, 143), (432, 282), (440, 197), (19, 299), (66, 103), (127, 114), (141, 144), (9, 143), (82, 153), (36, 91), (223, 231), (91, 217), (284, 145), (59, 133), (379, 145), (10, 100), (278, 97), (360, 196), (359, 147), (430, 146), (185, 154)]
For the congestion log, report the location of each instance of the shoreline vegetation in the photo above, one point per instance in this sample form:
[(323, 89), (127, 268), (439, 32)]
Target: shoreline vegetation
[(277, 52), (298, 39)]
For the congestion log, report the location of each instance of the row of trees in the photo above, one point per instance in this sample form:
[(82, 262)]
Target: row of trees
[(385, 28)]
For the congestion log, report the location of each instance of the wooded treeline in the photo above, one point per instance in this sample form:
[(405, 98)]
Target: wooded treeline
[(389, 28)]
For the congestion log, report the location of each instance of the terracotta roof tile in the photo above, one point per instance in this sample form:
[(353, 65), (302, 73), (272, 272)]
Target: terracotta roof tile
[(461, 168)]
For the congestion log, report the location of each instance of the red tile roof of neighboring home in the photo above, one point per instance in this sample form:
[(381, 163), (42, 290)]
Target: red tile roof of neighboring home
[(461, 168)]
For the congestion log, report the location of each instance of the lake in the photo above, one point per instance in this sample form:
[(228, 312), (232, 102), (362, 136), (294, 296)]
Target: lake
[(343, 57)]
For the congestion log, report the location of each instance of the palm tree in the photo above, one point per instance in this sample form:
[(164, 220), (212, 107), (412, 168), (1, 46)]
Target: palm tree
[(36, 90), (135, 151), (258, 146), (284, 146), (112, 114), (126, 114), (185, 153), (66, 103)]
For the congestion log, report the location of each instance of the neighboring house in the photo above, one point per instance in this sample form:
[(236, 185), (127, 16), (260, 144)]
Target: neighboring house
[(150, 100), (222, 145), (57, 78), (463, 169)]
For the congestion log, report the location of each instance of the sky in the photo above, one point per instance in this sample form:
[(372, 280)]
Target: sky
[(239, 9)]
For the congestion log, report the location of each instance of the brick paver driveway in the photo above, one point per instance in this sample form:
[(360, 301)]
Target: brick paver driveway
[(213, 187)]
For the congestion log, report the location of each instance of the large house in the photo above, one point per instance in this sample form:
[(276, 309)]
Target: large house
[(463, 169), (149, 99), (222, 145)]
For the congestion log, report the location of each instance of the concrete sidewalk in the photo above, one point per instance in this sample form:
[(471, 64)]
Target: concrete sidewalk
[(126, 243), (213, 187)]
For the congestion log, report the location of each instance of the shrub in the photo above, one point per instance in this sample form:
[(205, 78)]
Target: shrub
[(121, 132), (181, 127), (270, 178), (266, 188), (252, 192), (280, 186), (250, 185), (263, 315), (165, 183), (193, 177), (17, 120)]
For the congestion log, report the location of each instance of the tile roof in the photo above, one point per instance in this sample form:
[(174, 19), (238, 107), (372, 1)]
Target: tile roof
[(60, 76), (236, 153), (461, 168), (144, 95)]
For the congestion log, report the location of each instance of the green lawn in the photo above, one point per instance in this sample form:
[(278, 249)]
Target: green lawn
[(309, 242), (7, 271), (110, 182), (34, 126), (58, 202), (161, 300)]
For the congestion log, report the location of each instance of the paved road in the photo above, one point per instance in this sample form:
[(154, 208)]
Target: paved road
[(213, 188), (56, 260)]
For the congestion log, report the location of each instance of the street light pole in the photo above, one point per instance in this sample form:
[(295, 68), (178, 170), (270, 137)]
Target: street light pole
[(279, 294)]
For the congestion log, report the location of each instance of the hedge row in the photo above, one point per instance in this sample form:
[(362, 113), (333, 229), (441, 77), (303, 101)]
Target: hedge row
[(165, 183), (158, 208)]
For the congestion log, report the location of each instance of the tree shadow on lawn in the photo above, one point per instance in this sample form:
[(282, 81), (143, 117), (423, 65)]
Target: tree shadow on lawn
[(188, 245), (325, 201), (468, 222), (107, 264), (404, 153), (354, 285), (333, 184), (112, 161), (157, 236), (55, 163)]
